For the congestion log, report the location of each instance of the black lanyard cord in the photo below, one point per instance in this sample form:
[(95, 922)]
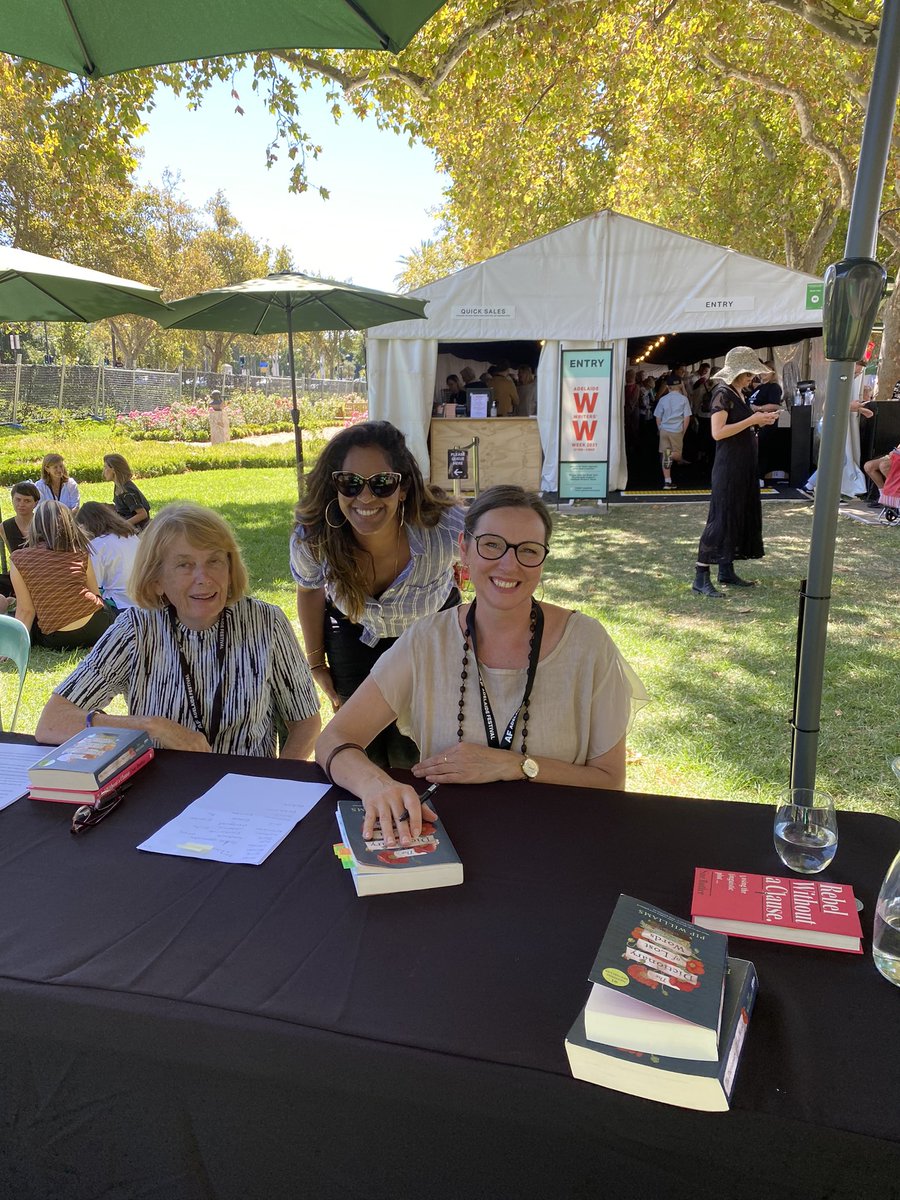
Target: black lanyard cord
[(534, 652), (190, 688)]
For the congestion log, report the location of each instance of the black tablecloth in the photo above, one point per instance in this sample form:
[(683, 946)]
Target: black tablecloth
[(177, 1029)]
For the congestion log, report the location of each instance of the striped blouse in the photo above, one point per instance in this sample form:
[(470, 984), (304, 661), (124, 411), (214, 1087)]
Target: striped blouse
[(421, 588), (265, 673)]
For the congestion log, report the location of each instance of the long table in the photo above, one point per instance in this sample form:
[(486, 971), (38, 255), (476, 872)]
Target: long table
[(177, 1030)]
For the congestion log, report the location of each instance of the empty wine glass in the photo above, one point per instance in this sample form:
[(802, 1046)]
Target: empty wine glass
[(806, 830)]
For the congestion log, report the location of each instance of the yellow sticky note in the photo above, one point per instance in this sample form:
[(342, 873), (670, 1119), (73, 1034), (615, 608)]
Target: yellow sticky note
[(196, 847)]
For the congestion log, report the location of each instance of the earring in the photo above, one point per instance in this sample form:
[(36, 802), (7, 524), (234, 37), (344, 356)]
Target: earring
[(402, 512), (332, 524)]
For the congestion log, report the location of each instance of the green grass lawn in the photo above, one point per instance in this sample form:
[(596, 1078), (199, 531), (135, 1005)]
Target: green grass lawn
[(720, 673)]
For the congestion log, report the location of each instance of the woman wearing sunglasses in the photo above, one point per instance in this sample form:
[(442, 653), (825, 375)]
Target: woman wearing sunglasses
[(372, 552), (502, 688)]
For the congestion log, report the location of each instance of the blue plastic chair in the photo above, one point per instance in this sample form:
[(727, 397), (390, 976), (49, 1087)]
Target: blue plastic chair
[(15, 644)]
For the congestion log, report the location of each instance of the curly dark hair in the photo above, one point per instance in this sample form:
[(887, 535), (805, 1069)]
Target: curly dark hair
[(338, 549)]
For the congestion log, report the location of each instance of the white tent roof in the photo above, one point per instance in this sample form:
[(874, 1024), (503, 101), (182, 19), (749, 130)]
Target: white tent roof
[(606, 277)]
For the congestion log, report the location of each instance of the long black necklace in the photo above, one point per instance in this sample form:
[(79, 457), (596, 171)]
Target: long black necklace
[(190, 688), (490, 724)]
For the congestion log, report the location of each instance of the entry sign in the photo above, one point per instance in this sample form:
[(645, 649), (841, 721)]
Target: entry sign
[(584, 417), (458, 464)]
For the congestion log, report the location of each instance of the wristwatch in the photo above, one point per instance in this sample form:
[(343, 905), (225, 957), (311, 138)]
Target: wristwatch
[(530, 769)]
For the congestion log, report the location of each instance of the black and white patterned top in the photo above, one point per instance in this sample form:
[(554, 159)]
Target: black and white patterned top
[(421, 588), (265, 673)]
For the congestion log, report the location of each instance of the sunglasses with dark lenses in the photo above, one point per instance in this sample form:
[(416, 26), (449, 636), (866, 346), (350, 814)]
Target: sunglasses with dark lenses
[(492, 546), (382, 485), (89, 815)]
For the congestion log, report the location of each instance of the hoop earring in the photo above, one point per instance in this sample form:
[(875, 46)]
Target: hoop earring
[(402, 512), (331, 524)]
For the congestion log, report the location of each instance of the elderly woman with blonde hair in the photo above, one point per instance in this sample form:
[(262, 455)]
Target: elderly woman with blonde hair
[(202, 666)]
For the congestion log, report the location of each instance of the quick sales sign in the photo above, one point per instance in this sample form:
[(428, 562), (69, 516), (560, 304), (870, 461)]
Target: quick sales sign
[(584, 420)]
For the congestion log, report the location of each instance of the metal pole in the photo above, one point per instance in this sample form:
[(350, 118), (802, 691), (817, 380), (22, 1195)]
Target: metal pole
[(18, 386), (862, 233), (295, 412)]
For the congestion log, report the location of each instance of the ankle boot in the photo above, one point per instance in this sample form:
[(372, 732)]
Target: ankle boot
[(703, 585), (728, 576)]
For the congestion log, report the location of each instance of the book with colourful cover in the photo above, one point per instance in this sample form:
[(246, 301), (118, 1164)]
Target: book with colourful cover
[(89, 759), (71, 796), (376, 868), (770, 908), (687, 1083), (658, 984)]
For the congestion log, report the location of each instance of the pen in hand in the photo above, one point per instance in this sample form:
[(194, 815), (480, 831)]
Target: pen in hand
[(423, 799)]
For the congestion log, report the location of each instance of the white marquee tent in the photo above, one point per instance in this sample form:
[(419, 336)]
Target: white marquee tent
[(594, 283)]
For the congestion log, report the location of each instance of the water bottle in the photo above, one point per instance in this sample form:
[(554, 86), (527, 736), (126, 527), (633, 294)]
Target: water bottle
[(493, 409), (886, 934), (798, 399)]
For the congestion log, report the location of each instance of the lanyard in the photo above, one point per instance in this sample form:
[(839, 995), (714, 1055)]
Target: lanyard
[(189, 686), (487, 713)]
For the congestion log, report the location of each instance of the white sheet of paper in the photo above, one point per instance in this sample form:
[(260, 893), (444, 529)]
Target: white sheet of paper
[(14, 764), (241, 819)]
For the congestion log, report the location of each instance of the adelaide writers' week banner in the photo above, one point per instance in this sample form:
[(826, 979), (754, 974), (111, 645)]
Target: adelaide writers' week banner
[(584, 416)]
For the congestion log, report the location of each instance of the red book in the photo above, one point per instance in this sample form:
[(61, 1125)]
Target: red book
[(67, 796), (802, 912)]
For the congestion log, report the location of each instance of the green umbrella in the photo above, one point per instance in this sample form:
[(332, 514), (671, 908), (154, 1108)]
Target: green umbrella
[(98, 37), (284, 302), (35, 288)]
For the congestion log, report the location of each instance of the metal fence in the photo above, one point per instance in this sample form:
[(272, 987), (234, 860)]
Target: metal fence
[(34, 392)]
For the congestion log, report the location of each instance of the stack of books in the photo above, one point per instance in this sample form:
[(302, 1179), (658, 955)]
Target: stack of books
[(668, 1011), (89, 766), (430, 862)]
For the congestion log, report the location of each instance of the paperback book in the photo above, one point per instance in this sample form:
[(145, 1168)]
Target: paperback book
[(71, 796), (376, 868), (687, 1083), (658, 984), (801, 912), (89, 759)]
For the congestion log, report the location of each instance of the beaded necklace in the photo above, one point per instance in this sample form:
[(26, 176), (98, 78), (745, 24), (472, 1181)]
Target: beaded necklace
[(536, 627)]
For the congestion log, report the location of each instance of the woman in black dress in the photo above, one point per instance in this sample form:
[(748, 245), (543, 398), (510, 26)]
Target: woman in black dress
[(734, 524)]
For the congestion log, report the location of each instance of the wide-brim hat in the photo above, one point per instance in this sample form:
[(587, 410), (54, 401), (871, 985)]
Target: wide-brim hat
[(741, 360)]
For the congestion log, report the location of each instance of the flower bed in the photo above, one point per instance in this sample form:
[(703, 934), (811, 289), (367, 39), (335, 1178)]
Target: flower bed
[(249, 413)]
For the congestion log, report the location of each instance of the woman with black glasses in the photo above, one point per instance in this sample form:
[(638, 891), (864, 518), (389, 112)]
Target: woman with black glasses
[(502, 688), (373, 551)]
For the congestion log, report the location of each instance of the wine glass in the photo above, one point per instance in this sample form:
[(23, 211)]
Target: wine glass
[(806, 830)]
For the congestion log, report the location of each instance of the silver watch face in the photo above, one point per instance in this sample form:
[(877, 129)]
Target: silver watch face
[(530, 768)]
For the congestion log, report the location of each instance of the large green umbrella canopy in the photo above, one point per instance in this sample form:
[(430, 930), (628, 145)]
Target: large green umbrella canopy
[(35, 288), (286, 302), (101, 37)]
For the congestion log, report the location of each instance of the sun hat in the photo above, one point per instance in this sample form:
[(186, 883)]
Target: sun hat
[(741, 360)]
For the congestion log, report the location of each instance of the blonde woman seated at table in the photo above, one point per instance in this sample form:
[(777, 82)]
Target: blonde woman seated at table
[(202, 666), (502, 688)]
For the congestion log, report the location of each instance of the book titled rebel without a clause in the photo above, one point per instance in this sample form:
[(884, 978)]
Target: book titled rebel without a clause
[(89, 760), (658, 984), (801, 912)]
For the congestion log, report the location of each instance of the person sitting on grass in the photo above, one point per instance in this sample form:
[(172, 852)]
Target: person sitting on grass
[(55, 484), (14, 531), (57, 594), (113, 546), (128, 500), (201, 665)]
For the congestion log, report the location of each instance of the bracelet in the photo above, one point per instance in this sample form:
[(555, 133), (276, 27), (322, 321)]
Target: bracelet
[(337, 750), (89, 719), (318, 650), (316, 666)]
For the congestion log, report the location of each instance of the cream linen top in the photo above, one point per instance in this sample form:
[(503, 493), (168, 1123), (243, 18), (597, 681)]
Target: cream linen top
[(582, 702)]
